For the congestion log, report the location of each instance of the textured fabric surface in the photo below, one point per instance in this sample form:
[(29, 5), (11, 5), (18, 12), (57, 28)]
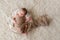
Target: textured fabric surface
[(37, 7)]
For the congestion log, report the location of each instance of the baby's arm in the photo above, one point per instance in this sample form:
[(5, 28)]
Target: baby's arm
[(14, 19)]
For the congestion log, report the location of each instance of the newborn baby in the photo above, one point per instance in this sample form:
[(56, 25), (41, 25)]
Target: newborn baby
[(20, 20)]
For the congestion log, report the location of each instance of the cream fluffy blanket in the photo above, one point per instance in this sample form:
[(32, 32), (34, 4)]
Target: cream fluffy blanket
[(36, 7)]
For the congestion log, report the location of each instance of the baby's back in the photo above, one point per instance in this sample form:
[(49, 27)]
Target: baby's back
[(20, 21)]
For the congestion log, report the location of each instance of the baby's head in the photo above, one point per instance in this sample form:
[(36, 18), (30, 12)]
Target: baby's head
[(23, 12)]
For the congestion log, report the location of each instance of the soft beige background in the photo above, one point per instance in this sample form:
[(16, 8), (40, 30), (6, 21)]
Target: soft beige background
[(38, 7)]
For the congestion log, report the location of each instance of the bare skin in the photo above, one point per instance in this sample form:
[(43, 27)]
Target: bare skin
[(19, 19)]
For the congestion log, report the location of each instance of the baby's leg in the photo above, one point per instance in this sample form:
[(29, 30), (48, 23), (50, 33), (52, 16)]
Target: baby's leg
[(24, 29)]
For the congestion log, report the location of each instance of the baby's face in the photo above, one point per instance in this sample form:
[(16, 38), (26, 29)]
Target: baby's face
[(21, 13)]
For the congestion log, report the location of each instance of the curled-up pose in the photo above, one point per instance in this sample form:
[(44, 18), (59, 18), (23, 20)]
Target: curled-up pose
[(19, 19), (22, 22)]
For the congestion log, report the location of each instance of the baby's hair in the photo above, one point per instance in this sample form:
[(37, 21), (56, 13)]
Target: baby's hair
[(25, 10)]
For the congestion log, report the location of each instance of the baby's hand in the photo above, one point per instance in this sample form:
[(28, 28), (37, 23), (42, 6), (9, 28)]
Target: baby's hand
[(14, 19), (28, 19)]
